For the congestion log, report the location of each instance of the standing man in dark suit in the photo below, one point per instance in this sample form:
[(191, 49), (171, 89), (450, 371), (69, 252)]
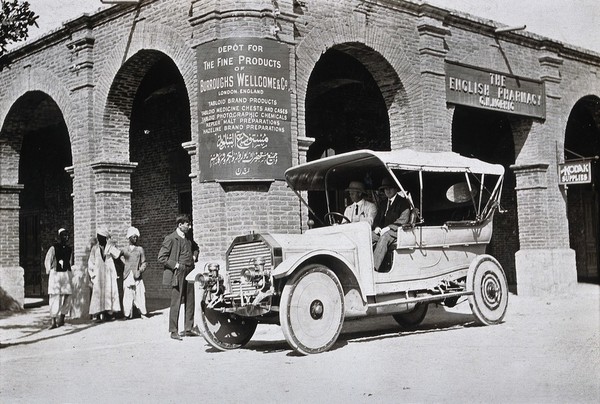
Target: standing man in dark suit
[(177, 254), (394, 213)]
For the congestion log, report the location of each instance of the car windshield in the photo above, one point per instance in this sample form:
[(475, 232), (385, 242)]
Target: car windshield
[(445, 187)]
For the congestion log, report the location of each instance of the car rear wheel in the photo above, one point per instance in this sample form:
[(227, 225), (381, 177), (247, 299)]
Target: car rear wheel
[(412, 318), (312, 310), (225, 331), (487, 281)]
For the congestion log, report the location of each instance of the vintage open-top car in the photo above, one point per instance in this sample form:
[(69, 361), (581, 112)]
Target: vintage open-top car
[(310, 282)]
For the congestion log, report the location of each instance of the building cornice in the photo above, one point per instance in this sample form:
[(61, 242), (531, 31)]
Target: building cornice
[(468, 22), (449, 18)]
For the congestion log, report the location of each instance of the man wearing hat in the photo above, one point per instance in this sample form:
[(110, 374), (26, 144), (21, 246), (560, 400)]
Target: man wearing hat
[(392, 214), (394, 206), (360, 210), (134, 260), (59, 259)]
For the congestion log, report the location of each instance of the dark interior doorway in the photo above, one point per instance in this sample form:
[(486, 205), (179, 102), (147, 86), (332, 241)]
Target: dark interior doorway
[(582, 139), (161, 185), (345, 111), (487, 135), (45, 201)]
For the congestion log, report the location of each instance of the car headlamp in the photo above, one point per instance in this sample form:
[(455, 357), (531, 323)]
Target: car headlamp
[(210, 278), (257, 274)]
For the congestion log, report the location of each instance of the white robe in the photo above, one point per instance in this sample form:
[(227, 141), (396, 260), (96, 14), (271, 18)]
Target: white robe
[(103, 275)]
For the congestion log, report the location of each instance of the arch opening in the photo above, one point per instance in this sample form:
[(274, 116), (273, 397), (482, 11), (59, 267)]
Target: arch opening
[(36, 128), (488, 136), (161, 185), (347, 109), (582, 139)]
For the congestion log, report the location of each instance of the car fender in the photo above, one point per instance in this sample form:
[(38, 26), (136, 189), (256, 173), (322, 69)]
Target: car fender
[(289, 266)]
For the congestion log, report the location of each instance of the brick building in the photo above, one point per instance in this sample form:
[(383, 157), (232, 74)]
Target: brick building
[(133, 114)]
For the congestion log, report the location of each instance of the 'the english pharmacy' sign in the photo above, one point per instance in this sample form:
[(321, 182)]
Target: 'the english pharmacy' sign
[(487, 89), (575, 172)]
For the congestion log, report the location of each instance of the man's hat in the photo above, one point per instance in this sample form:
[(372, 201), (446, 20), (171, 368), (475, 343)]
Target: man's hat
[(132, 231), (102, 231), (61, 230), (357, 186), (388, 183)]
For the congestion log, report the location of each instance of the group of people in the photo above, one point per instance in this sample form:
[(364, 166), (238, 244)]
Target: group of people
[(104, 302), (177, 254), (385, 219), (105, 299)]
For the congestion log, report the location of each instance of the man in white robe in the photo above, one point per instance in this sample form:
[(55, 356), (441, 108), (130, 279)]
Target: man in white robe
[(103, 276)]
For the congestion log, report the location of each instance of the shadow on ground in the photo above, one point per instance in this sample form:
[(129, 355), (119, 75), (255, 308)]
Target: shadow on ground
[(361, 330)]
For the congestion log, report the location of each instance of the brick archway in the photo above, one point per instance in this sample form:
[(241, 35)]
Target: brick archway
[(138, 52), (367, 45), (35, 190), (582, 140), (127, 65), (30, 80)]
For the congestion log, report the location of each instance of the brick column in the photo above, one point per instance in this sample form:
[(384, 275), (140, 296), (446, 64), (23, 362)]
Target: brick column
[(192, 149), (81, 86), (12, 283), (303, 145), (432, 54), (113, 197), (543, 264)]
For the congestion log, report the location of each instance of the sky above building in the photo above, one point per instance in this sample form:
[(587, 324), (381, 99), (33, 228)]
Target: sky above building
[(575, 22)]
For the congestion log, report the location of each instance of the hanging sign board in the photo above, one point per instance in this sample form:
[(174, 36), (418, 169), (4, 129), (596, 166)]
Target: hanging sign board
[(575, 172), (244, 106), (487, 89)]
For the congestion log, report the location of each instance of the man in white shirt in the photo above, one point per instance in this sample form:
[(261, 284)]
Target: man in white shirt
[(360, 210)]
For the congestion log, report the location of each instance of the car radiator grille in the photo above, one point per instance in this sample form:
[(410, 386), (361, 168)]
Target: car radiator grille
[(240, 257)]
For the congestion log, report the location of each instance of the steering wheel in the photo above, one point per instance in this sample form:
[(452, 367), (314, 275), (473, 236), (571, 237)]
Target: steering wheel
[(332, 216)]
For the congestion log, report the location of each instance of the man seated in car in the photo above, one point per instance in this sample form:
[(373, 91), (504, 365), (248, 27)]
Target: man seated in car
[(392, 214), (360, 210)]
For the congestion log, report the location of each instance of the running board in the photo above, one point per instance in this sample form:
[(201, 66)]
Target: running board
[(418, 299)]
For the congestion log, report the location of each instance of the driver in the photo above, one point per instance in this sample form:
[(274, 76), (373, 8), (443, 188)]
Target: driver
[(360, 210)]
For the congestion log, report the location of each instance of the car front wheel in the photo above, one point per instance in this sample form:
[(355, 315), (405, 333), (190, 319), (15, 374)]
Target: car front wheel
[(225, 331), (312, 310)]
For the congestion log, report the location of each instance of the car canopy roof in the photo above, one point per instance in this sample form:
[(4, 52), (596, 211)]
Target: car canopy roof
[(312, 175)]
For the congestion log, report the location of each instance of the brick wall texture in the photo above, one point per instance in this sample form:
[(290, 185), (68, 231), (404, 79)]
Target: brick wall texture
[(113, 96)]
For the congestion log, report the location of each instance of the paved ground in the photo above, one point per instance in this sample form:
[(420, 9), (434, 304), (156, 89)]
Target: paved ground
[(546, 351)]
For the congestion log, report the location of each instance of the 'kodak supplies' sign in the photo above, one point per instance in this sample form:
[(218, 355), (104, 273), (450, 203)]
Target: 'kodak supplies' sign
[(575, 172), (479, 88), (244, 108)]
